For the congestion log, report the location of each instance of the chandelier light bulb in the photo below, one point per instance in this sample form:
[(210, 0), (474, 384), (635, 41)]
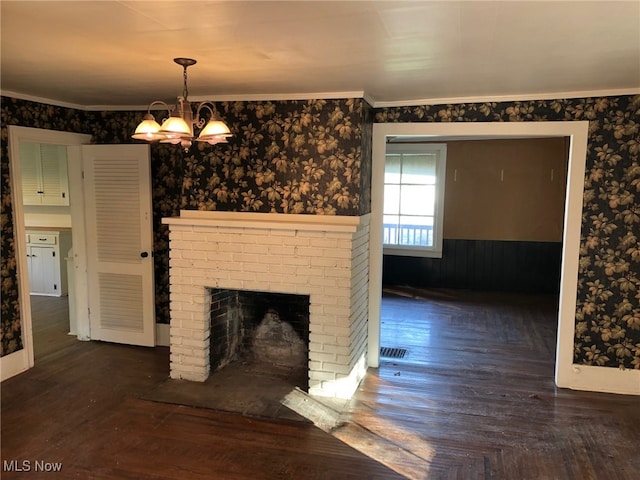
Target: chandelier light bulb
[(147, 129), (175, 126)]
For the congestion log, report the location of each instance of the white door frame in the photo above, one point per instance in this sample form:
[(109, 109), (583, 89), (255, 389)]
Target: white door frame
[(567, 374), (22, 360)]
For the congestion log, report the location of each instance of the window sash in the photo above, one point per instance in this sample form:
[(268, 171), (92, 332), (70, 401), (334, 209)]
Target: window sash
[(412, 196)]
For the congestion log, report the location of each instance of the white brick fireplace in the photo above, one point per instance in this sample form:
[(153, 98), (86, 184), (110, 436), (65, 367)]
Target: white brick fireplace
[(324, 257)]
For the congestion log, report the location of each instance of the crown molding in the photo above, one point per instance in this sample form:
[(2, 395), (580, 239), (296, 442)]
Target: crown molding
[(58, 103), (337, 95), (265, 97), (48, 101), (195, 98), (509, 98)]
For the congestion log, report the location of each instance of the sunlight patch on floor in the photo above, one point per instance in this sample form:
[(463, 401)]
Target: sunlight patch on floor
[(382, 441), (390, 445)]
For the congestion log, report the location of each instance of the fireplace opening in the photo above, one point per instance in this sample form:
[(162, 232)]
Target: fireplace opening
[(265, 333)]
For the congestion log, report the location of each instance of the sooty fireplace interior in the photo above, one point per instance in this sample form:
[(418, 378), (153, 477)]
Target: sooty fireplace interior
[(268, 331)]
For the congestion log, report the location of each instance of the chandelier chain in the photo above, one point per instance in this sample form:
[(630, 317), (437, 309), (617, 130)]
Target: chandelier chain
[(185, 92)]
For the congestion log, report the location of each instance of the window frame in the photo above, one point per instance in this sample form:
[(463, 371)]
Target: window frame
[(440, 149)]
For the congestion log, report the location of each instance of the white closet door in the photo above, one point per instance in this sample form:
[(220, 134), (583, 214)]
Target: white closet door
[(54, 174), (31, 173), (119, 243)]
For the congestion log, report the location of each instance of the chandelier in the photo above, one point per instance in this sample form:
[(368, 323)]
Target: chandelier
[(179, 126)]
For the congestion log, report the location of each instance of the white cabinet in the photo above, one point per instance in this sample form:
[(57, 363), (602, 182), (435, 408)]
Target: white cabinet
[(44, 174), (46, 252)]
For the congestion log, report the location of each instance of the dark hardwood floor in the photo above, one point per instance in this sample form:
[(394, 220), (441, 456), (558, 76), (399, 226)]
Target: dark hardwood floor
[(473, 398), (50, 321)]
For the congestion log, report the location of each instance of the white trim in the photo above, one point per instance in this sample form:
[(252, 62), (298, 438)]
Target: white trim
[(19, 134), (609, 380), (567, 374), (570, 255), (258, 97), (369, 99), (265, 97), (520, 97), (76, 106), (20, 243), (413, 251), (276, 221), (13, 364), (78, 238), (47, 101), (163, 338)]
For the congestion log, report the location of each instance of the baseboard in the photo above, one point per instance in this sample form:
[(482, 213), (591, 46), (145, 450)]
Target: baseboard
[(13, 364), (601, 379), (162, 335)]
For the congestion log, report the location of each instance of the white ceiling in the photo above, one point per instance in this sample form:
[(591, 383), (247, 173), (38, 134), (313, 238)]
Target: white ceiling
[(119, 53)]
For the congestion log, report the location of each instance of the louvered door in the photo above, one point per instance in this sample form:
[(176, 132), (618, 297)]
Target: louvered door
[(31, 173), (55, 184), (44, 174), (119, 243)]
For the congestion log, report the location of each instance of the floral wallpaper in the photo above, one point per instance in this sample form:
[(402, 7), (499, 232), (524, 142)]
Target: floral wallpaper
[(285, 156), (314, 157), (297, 156), (608, 300), (10, 325)]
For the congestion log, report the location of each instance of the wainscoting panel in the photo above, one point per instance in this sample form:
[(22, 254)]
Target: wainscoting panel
[(481, 265)]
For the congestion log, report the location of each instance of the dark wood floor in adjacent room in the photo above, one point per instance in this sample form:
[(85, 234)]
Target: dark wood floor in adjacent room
[(50, 319), (473, 398)]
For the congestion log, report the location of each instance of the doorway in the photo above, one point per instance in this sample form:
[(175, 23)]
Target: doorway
[(578, 134), (504, 203), (123, 293), (47, 219), (75, 217)]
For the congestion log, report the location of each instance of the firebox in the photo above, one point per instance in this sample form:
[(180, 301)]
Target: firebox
[(269, 331)]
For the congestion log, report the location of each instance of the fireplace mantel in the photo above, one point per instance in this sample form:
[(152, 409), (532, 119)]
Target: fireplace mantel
[(277, 221)]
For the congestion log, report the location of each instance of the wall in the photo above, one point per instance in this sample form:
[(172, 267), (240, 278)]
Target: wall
[(505, 189), (482, 265), (286, 156), (607, 310), (503, 219), (43, 216)]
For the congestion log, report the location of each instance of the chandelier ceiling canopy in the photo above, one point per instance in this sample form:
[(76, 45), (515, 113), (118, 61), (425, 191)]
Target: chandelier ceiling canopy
[(179, 126)]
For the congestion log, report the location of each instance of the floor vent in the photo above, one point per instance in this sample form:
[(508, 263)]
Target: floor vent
[(393, 352)]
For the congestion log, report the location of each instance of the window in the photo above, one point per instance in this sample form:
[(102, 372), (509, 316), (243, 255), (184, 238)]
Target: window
[(414, 199)]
